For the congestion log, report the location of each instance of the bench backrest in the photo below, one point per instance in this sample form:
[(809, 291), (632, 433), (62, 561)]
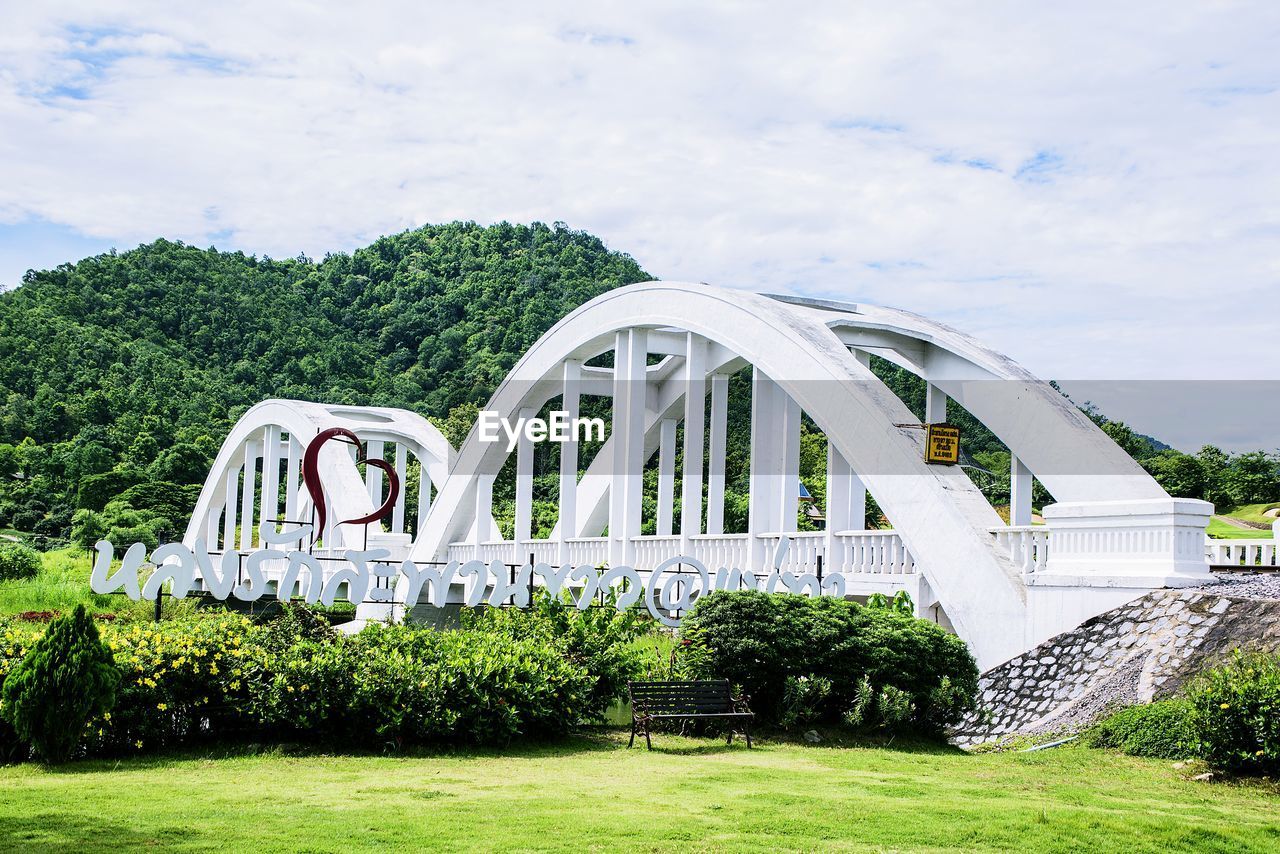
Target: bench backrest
[(703, 696)]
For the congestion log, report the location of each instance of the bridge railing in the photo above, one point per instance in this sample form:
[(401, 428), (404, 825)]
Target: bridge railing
[(1251, 553), (1026, 545), (858, 552)]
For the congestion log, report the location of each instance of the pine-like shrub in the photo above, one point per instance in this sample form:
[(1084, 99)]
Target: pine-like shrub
[(67, 678), (18, 562)]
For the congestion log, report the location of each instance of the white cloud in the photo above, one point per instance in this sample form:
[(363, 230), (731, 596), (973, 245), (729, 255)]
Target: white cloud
[(1090, 189)]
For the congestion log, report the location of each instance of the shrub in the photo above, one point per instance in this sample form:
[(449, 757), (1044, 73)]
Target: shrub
[(599, 640), (758, 640), (1163, 730), (1237, 713), (18, 561), (802, 700), (180, 679), (66, 678)]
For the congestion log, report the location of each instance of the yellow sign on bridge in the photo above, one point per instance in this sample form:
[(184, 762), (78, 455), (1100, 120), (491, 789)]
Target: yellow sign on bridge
[(942, 444)]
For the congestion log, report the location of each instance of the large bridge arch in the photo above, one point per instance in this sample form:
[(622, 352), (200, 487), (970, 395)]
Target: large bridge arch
[(803, 348), (1113, 534), (260, 461)]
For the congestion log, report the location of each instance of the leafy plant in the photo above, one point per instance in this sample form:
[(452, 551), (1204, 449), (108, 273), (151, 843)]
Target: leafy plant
[(67, 678), (1165, 730), (18, 562), (1237, 713), (758, 640), (802, 699), (894, 707)]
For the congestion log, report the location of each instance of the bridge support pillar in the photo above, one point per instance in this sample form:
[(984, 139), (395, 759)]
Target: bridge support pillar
[(716, 453), (570, 404), (695, 407), (629, 366)]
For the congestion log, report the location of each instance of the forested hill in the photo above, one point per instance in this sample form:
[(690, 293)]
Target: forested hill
[(128, 368), (121, 374)]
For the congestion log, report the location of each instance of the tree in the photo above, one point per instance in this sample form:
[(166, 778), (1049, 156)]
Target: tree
[(1181, 475), (87, 528), (65, 680)]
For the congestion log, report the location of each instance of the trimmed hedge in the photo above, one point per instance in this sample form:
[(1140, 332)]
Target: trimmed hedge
[(223, 676), (885, 669)]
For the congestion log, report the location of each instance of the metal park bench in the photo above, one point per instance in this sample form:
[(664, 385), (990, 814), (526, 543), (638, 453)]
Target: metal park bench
[(707, 698)]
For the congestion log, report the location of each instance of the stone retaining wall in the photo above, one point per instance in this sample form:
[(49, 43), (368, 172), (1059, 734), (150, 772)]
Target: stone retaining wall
[(1132, 654)]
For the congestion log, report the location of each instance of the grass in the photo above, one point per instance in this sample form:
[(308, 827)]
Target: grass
[(593, 793), (63, 583), (1255, 513), (1220, 530)]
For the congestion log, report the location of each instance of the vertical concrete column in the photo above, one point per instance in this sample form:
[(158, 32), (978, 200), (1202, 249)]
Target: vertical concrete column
[(636, 388), (374, 450), (630, 354), (935, 404), (695, 408), (766, 463), (571, 405), (1019, 492), (270, 477), (247, 493), (789, 481), (402, 468), (716, 453), (862, 356), (666, 476), (837, 503), (424, 493), (211, 525), (618, 436), (484, 512), (232, 490), (524, 489), (291, 508)]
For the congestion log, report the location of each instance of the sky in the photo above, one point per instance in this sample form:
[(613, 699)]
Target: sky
[(1090, 188)]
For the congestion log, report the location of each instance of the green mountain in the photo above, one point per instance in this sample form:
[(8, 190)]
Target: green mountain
[(127, 369), (121, 374)]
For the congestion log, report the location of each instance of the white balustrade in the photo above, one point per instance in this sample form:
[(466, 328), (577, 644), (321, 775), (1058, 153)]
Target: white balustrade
[(1252, 553), (651, 551), (1026, 545), (717, 550)]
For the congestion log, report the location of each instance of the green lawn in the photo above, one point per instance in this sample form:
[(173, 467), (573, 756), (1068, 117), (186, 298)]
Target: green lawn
[(1220, 530), (592, 793), (63, 583)]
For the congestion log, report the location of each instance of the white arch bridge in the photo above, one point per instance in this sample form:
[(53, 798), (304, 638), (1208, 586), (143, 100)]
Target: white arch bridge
[(662, 354)]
